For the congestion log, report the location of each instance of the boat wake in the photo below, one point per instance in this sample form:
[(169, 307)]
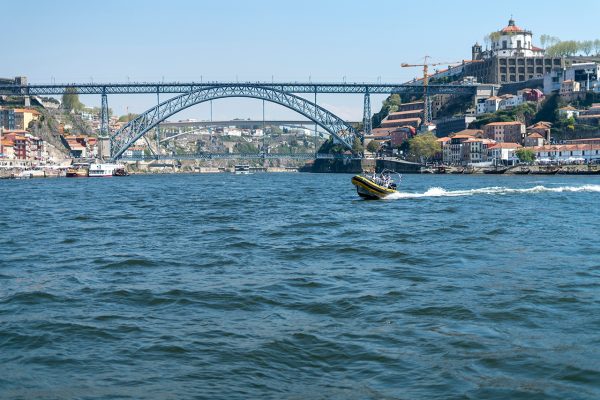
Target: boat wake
[(495, 190)]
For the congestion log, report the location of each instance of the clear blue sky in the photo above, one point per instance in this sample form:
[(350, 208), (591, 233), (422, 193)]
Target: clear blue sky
[(182, 40)]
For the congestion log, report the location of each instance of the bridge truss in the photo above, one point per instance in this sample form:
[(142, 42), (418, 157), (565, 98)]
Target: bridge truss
[(240, 156), (279, 92), (137, 127)]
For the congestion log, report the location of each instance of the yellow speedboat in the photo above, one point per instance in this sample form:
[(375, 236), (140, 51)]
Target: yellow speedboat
[(375, 186)]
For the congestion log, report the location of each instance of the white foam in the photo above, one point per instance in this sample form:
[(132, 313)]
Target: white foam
[(495, 190)]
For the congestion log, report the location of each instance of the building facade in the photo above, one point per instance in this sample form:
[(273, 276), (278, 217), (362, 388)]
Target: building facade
[(511, 58), (505, 131)]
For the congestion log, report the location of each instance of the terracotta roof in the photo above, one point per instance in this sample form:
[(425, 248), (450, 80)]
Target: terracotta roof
[(26, 110), (443, 139), (512, 28), (469, 132), (541, 124), (567, 147), (461, 136), (420, 110), (535, 135), (504, 123), (506, 145), (588, 139), (535, 48), (7, 143)]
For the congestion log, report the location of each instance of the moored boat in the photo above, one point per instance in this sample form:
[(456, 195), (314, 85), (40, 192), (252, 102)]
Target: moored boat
[(374, 186), (242, 169), (496, 170), (106, 170), (78, 170)]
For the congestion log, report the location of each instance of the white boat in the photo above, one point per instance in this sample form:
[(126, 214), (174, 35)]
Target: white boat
[(105, 170), (242, 169)]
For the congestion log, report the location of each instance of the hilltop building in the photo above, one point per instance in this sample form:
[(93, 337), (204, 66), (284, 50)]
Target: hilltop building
[(512, 58)]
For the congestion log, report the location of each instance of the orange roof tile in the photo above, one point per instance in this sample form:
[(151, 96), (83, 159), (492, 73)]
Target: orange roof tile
[(506, 145), (504, 123)]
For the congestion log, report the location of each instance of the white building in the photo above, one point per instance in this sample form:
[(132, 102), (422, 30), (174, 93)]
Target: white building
[(513, 41), (586, 74), (509, 101), (567, 153), (489, 105), (504, 152)]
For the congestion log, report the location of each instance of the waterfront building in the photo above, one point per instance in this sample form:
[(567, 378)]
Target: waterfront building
[(475, 150), (455, 148), (505, 131), (504, 152), (587, 141), (568, 153)]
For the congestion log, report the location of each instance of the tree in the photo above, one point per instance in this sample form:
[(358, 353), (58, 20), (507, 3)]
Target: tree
[(597, 46), (543, 40), (127, 117), (70, 100), (373, 146), (525, 155), (357, 146), (424, 147), (389, 105), (586, 46)]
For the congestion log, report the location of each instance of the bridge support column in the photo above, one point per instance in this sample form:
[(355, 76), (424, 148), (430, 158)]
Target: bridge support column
[(367, 125), (104, 115)]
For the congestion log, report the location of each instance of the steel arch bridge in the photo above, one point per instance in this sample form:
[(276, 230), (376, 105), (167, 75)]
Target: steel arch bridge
[(136, 128)]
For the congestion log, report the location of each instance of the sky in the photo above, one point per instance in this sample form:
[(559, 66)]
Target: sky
[(260, 40)]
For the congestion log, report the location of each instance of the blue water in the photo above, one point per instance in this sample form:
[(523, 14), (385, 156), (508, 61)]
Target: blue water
[(289, 286)]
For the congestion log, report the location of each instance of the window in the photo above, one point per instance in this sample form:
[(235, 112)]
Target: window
[(504, 44), (518, 44)]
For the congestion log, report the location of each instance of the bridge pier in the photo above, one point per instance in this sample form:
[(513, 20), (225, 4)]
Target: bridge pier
[(367, 122), (104, 115)]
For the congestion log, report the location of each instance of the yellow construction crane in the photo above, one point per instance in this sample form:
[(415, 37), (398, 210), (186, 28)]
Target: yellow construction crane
[(426, 65)]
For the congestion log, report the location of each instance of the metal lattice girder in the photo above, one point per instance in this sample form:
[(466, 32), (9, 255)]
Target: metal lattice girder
[(238, 156), (174, 88), (137, 127)]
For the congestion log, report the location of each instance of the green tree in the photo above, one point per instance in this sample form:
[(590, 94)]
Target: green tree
[(525, 155), (424, 147), (357, 146), (389, 105), (70, 100), (373, 146), (127, 117), (549, 109), (597, 46), (586, 46)]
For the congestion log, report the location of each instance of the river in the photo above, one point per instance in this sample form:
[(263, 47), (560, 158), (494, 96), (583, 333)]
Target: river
[(289, 286)]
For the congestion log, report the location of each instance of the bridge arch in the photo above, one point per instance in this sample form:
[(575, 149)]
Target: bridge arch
[(136, 128)]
